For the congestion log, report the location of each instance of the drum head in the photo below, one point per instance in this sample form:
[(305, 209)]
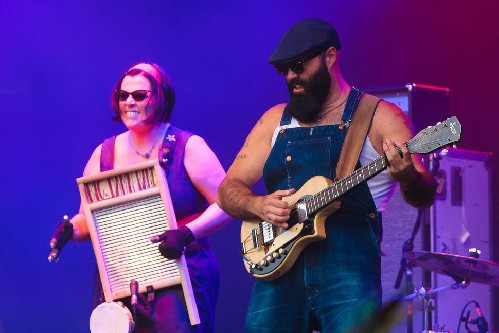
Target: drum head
[(111, 318)]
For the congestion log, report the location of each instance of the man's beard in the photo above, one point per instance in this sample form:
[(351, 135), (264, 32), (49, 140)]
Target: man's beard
[(306, 107)]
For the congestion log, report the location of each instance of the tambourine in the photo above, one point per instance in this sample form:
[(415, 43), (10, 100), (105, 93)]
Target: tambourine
[(111, 317)]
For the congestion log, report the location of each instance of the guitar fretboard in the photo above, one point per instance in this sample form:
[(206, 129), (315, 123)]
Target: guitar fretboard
[(333, 192)]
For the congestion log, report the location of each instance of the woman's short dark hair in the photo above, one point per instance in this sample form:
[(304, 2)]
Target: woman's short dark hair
[(162, 91)]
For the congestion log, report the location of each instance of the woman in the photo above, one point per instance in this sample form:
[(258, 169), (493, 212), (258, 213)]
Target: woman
[(143, 100)]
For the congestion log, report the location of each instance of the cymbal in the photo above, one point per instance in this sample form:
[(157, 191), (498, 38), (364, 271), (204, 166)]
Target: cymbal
[(458, 267)]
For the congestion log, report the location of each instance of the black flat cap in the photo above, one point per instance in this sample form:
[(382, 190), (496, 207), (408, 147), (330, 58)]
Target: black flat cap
[(306, 36)]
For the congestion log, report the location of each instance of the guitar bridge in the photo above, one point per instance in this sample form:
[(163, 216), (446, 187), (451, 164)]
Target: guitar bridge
[(254, 237)]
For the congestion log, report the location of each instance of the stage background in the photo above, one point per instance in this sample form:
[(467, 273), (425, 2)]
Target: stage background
[(59, 61)]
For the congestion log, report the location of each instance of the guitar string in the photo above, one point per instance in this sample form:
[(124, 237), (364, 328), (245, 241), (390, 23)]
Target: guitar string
[(347, 179)]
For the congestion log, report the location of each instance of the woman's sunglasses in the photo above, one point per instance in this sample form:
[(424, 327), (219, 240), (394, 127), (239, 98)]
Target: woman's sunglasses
[(297, 65), (138, 95)]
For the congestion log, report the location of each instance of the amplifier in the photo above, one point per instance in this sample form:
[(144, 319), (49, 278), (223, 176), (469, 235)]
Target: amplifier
[(461, 219), (425, 105)]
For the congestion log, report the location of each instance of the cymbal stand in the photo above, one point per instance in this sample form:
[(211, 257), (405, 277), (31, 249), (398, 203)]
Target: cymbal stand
[(406, 269), (427, 297)]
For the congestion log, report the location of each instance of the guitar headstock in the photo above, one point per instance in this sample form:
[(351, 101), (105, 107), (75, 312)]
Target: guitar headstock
[(435, 137)]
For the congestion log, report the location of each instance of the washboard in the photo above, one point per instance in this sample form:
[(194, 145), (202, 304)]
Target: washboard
[(124, 207)]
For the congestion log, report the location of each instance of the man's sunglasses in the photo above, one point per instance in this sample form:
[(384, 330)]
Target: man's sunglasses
[(138, 95), (297, 65)]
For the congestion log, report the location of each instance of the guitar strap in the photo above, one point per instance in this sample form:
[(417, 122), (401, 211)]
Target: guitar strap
[(356, 135)]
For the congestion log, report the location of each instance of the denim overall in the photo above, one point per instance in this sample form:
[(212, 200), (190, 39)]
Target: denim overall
[(335, 283), (167, 313)]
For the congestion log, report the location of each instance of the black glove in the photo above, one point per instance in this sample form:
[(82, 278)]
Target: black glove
[(173, 242), (62, 234)]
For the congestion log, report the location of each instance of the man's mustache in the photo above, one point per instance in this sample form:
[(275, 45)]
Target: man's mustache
[(296, 81)]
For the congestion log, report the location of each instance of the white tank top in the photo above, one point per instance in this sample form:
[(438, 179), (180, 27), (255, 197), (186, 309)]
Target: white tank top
[(381, 186)]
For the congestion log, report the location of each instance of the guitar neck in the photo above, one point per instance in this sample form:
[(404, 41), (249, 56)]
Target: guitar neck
[(331, 193), (424, 142)]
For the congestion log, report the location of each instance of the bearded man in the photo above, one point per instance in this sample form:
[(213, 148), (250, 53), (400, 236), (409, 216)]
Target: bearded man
[(334, 283)]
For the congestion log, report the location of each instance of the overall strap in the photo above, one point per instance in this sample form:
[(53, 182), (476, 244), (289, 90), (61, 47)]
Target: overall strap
[(356, 135), (107, 154), (285, 118), (352, 102)]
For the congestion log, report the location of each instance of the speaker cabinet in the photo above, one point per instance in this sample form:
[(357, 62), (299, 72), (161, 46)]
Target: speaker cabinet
[(425, 106), (461, 219)]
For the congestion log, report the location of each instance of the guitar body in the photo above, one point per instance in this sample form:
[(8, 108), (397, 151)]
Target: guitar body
[(269, 252), (270, 261)]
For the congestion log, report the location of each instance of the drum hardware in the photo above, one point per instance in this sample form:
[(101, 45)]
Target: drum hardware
[(427, 297), (406, 269), (462, 269)]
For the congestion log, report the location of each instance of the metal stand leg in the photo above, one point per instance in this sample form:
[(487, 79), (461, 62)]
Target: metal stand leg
[(427, 303), (409, 287)]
